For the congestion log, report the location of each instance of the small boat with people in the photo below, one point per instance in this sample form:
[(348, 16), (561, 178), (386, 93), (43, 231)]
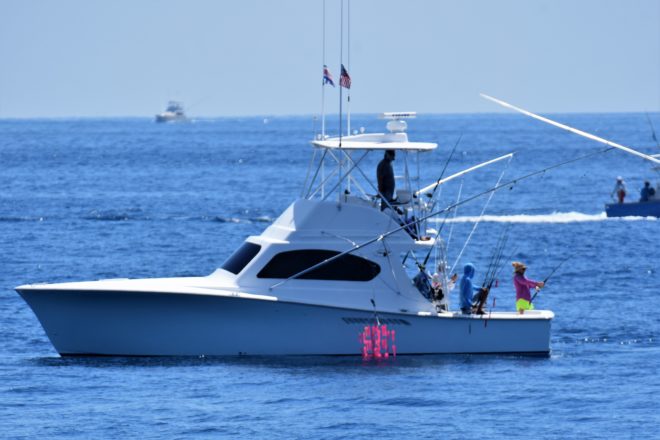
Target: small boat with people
[(648, 204), (173, 113)]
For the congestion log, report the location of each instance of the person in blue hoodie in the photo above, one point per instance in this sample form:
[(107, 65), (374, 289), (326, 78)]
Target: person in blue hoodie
[(647, 192), (468, 290)]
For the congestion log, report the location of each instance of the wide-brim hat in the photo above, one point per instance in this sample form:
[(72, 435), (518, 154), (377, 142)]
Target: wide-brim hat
[(518, 266)]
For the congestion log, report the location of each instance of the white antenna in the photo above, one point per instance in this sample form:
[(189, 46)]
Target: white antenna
[(341, 97), (323, 81), (341, 63), (348, 104), (571, 129)]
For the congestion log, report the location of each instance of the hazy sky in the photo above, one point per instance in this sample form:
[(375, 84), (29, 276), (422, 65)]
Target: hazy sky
[(258, 57)]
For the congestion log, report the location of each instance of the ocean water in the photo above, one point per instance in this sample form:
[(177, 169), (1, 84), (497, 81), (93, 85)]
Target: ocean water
[(89, 199)]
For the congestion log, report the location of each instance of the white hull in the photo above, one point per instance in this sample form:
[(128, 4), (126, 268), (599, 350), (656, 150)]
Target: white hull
[(115, 323), (170, 118)]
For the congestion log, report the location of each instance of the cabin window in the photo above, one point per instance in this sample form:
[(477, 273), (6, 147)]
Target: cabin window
[(241, 257), (345, 268)]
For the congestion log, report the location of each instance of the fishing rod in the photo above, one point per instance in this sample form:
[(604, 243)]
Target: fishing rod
[(481, 216), (437, 234), (440, 181), (515, 251), (442, 174), (427, 285), (381, 237), (451, 228), (551, 274), (655, 138), (482, 299), (495, 261), (491, 262), (500, 253)]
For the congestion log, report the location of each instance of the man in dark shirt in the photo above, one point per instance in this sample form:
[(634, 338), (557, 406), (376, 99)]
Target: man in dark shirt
[(385, 175), (647, 192)]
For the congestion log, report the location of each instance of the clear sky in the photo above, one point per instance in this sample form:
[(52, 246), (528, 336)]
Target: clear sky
[(258, 57)]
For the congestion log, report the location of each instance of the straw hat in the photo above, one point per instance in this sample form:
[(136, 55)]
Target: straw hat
[(518, 266)]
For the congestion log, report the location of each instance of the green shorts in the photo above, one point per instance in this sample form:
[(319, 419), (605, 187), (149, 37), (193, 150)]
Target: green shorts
[(523, 304)]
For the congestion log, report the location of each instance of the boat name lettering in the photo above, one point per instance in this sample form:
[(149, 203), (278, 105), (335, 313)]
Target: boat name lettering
[(389, 321)]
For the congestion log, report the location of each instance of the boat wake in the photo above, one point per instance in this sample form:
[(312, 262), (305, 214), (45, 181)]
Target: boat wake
[(555, 217)]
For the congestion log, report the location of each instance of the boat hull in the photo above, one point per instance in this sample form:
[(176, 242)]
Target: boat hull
[(634, 209), (119, 323), (170, 118)]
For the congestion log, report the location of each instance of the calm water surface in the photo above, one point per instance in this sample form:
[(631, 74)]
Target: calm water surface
[(91, 199)]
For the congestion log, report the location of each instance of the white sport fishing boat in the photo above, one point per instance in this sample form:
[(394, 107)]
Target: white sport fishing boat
[(173, 113), (332, 264)]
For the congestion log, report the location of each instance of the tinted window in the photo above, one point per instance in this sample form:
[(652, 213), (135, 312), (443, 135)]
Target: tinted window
[(345, 268), (241, 257)]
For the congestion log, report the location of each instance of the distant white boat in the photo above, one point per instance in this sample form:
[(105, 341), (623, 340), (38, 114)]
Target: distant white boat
[(173, 113)]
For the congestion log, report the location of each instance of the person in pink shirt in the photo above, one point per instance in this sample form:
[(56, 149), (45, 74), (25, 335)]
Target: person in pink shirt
[(523, 286)]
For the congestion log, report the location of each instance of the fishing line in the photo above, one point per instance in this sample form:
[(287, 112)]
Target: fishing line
[(451, 228), (433, 214), (551, 274), (442, 173), (483, 211)]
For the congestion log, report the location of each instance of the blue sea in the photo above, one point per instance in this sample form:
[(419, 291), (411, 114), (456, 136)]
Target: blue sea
[(85, 199)]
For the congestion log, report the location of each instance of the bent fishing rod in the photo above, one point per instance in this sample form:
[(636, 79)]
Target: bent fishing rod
[(551, 274), (433, 214)]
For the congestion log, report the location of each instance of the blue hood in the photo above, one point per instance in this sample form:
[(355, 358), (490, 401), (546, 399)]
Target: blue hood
[(468, 270)]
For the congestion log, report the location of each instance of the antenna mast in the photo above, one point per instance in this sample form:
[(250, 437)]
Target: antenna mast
[(323, 81), (348, 47), (341, 61)]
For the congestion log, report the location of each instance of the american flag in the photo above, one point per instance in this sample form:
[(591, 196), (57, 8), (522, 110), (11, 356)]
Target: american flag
[(344, 79), (327, 76)]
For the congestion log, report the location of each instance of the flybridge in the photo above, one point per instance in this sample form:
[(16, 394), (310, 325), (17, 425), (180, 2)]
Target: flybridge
[(396, 139), (375, 141), (339, 168)]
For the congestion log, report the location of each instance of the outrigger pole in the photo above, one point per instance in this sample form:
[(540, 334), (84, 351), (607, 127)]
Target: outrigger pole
[(461, 173), (572, 130), (433, 214)]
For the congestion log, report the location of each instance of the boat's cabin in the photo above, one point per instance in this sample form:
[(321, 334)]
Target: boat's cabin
[(344, 242), (175, 107)]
